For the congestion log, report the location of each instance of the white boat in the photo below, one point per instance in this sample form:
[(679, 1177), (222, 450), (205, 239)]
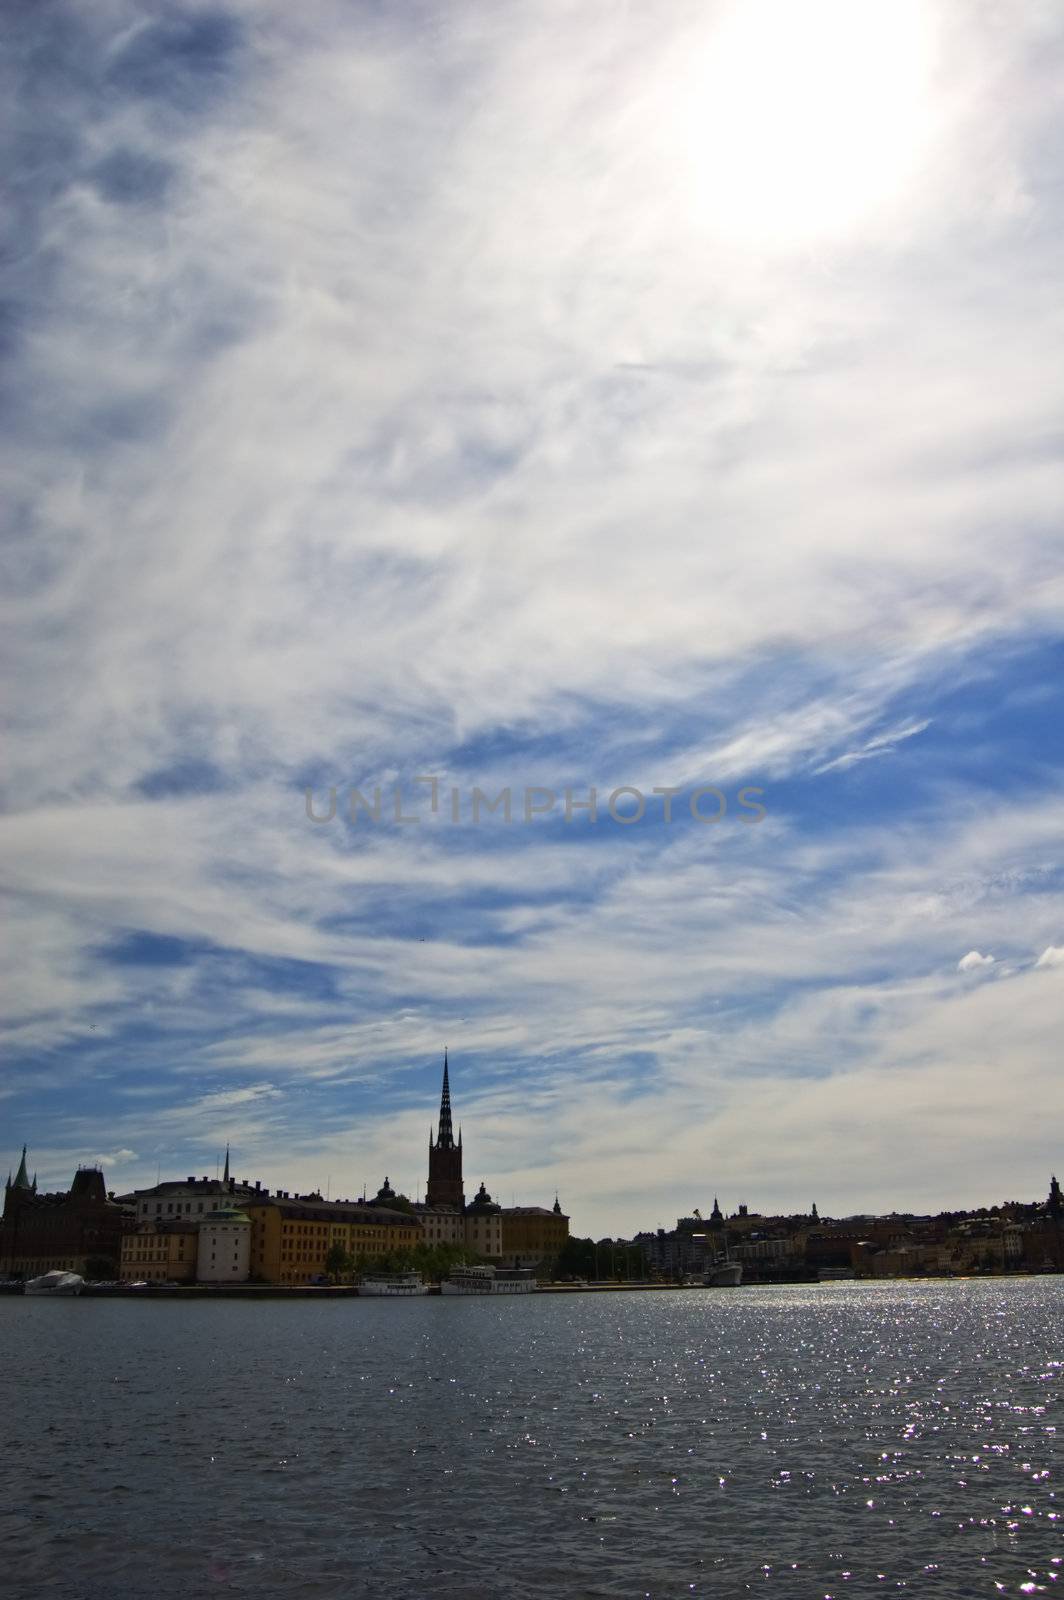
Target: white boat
[(723, 1272), (488, 1280), (725, 1275), (56, 1283), (393, 1284)]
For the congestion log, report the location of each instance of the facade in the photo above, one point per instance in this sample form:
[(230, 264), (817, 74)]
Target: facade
[(291, 1236), (60, 1232), (277, 1238), (483, 1225), (532, 1236), (191, 1197), (224, 1250), (440, 1225), (160, 1252)]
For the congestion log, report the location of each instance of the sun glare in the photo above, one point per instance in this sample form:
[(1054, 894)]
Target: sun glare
[(801, 117)]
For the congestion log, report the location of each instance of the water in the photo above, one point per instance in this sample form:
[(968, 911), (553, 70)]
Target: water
[(843, 1441)]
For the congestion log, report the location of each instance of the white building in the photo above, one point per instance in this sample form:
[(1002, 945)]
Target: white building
[(224, 1254)]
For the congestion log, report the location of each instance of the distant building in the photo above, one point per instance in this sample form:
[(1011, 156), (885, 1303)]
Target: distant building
[(291, 1235), (440, 1225), (65, 1231), (445, 1156), (483, 1225), (160, 1252), (533, 1236), (224, 1251), (191, 1197)]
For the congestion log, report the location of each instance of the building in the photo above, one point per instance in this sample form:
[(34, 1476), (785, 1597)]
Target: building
[(79, 1230), (533, 1236), (445, 1156), (527, 1235), (483, 1225), (160, 1252), (246, 1233), (440, 1225), (291, 1236), (191, 1197), (224, 1249)]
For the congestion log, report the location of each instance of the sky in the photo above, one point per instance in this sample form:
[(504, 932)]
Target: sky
[(532, 399)]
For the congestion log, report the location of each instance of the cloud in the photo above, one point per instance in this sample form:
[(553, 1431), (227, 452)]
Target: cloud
[(973, 961), (1052, 956), (116, 1158), (883, 744), (374, 412)]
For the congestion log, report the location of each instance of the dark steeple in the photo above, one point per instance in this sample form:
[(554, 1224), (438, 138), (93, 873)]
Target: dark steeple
[(445, 1136), (22, 1177), (1054, 1205), (225, 1174), (445, 1157), (557, 1207)]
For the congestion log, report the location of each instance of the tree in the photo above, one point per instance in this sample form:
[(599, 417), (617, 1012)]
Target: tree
[(337, 1262), (576, 1259)]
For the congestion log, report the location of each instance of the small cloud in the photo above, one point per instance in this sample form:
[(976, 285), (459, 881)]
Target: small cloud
[(883, 745), (115, 1158), (973, 960), (1052, 956)]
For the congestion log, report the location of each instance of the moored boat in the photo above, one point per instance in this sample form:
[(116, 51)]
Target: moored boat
[(488, 1280), (725, 1275), (56, 1283), (394, 1285)]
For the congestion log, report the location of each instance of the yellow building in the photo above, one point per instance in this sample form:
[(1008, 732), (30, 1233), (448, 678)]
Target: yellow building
[(531, 1234), (291, 1237), (161, 1252)]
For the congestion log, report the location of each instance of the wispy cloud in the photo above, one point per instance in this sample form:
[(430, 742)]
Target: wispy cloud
[(375, 411), (884, 744)]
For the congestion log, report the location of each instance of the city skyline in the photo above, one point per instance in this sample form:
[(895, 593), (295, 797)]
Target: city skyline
[(445, 1159), (532, 401)]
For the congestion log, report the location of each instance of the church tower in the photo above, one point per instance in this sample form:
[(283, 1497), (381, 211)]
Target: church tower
[(445, 1156)]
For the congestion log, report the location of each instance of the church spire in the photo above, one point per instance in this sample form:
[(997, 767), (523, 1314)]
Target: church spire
[(445, 1156), (445, 1132), (225, 1174), (22, 1177)]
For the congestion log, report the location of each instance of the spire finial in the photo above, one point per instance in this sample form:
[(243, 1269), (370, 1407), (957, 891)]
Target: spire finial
[(445, 1131)]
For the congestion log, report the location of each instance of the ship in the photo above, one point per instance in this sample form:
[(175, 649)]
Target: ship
[(724, 1274), (399, 1285), (488, 1280)]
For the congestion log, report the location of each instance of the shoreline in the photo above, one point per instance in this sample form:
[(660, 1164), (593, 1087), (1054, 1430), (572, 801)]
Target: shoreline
[(267, 1291)]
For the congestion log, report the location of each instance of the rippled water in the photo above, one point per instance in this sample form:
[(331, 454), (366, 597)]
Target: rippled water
[(844, 1440)]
